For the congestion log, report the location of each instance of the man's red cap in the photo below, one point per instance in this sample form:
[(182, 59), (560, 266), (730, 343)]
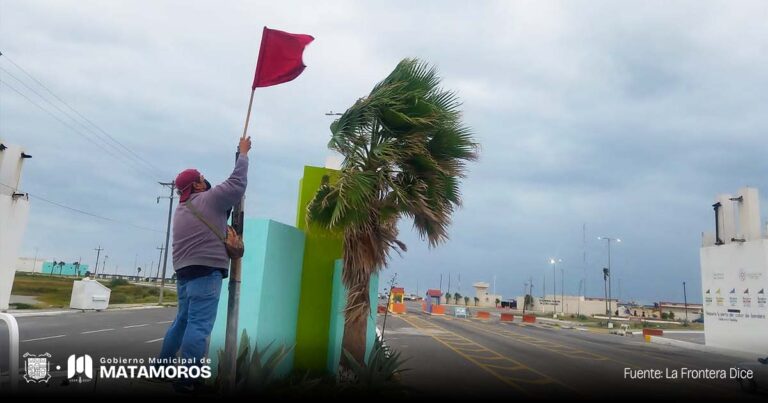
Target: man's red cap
[(184, 183)]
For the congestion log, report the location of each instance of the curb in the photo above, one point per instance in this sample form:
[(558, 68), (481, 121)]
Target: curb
[(27, 314), (698, 347)]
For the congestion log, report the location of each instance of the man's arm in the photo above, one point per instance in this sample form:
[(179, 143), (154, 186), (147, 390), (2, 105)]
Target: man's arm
[(229, 192)]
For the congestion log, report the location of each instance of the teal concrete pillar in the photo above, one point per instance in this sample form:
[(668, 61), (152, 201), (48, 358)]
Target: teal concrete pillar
[(269, 292)]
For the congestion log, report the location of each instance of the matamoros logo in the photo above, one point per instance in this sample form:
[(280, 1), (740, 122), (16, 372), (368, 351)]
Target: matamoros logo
[(80, 369)]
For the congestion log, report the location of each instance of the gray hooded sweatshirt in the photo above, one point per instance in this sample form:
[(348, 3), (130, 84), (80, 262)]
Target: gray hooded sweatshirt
[(194, 244)]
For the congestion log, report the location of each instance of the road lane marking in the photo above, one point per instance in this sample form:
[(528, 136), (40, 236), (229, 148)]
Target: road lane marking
[(45, 338), (553, 347), (155, 340), (478, 359), (97, 331), (132, 326), (164, 322)]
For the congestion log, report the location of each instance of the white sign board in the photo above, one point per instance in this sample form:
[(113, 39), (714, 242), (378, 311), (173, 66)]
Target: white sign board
[(734, 280)]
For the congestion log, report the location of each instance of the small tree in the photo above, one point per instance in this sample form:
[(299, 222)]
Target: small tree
[(664, 316), (456, 298), (447, 298), (528, 301), (477, 300), (671, 315), (466, 301), (498, 301)]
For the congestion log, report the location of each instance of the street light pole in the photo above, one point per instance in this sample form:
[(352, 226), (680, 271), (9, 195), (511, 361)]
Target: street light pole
[(554, 262)]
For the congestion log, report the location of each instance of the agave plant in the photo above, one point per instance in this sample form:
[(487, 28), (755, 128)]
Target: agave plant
[(256, 369), (405, 148), (381, 372)]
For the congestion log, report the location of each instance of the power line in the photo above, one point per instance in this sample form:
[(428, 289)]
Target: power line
[(65, 113), (28, 74), (84, 212), (78, 132)]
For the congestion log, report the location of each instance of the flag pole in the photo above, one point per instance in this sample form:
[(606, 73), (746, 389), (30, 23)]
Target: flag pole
[(233, 303)]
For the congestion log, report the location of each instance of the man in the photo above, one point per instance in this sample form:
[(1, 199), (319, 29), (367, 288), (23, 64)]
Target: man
[(200, 258)]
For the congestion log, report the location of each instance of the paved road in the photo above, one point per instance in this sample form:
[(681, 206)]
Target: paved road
[(124, 333), (471, 358), (457, 358)]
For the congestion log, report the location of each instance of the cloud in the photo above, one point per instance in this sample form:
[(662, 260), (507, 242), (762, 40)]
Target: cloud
[(626, 118)]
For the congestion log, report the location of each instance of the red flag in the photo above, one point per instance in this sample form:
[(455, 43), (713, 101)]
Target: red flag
[(279, 57)]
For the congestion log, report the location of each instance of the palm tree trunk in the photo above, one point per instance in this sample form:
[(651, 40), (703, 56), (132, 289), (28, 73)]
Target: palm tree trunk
[(355, 335)]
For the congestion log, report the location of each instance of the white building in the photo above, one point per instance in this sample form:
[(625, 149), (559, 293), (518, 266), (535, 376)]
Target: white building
[(734, 275), (569, 305), (14, 208), (30, 264), (484, 298)]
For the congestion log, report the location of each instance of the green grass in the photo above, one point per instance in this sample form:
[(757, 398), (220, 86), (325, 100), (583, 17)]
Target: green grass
[(56, 292)]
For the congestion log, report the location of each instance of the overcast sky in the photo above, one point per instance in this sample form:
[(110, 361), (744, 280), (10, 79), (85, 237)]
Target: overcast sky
[(626, 118)]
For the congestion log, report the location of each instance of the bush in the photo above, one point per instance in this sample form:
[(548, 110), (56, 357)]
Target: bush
[(116, 282), (118, 299)]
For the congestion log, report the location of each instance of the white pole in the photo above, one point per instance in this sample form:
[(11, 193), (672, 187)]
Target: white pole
[(13, 349)]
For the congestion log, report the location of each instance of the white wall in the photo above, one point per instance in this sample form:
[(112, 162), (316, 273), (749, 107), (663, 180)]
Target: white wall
[(30, 264), (571, 304), (13, 219)]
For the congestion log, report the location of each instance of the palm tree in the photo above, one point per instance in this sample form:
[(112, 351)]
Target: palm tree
[(61, 267), (405, 149), (447, 298), (477, 300), (498, 301), (53, 266), (466, 301), (77, 268)]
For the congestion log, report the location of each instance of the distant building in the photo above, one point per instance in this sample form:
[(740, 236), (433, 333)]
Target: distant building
[(30, 264), (569, 305), (484, 298), (68, 269), (678, 310)]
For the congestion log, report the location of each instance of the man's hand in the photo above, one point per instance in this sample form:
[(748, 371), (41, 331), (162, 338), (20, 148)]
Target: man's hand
[(245, 145)]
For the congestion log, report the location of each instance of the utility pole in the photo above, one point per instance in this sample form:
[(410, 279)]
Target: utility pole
[(441, 282), (96, 268), (172, 186), (562, 290), (34, 263), (685, 299), (104, 266), (161, 248), (449, 282)]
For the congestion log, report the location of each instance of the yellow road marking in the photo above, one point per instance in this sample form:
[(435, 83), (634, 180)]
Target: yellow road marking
[(488, 367), (597, 357)]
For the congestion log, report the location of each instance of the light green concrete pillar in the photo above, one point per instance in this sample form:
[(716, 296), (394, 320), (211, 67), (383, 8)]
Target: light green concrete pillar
[(321, 251)]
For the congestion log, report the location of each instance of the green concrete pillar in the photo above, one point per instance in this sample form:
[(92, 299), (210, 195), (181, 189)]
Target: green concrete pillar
[(321, 250)]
